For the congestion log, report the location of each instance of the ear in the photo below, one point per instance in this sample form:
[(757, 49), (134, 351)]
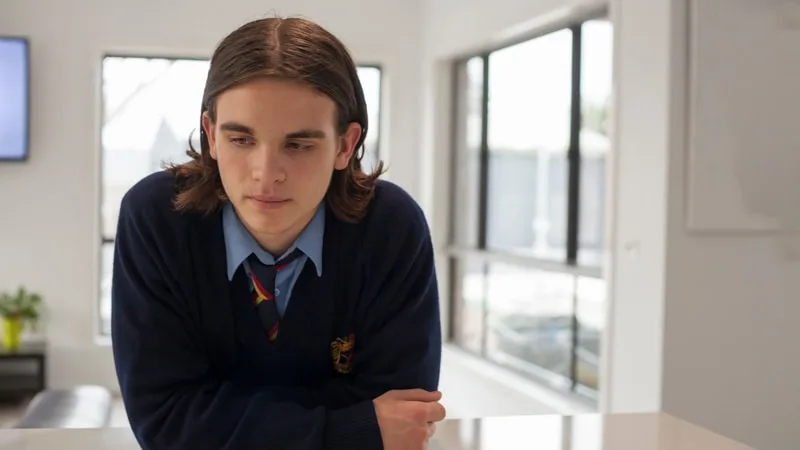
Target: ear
[(347, 146), (210, 130)]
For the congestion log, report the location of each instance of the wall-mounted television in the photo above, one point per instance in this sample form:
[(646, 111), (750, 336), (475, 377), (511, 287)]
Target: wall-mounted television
[(14, 99)]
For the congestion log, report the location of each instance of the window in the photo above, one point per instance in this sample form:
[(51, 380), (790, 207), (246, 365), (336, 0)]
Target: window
[(527, 235), (528, 134), (150, 109), (370, 77)]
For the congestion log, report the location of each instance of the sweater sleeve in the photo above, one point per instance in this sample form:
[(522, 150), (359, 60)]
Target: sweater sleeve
[(398, 340), (171, 395)]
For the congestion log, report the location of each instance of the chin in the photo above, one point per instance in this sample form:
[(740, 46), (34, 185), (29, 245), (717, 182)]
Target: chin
[(266, 224), (270, 219)]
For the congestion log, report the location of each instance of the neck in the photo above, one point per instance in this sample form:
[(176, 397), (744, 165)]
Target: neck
[(275, 245), (278, 243)]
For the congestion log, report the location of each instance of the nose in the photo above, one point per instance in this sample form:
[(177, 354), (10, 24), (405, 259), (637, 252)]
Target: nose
[(268, 165)]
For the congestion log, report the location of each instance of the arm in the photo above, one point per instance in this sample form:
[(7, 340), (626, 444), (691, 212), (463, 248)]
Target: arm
[(398, 334), (172, 398)]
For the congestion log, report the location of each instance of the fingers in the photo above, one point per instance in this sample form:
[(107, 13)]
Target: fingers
[(427, 412), (435, 412), (417, 395), (431, 430)]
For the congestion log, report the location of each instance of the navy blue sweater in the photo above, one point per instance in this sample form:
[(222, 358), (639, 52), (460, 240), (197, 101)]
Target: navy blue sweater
[(195, 368)]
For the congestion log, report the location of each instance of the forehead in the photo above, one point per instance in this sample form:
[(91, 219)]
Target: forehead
[(275, 104)]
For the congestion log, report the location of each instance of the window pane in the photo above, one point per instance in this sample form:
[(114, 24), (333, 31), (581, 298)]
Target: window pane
[(106, 265), (591, 293), (150, 107), (596, 85), (470, 294), (467, 152), (530, 318), (529, 131), (371, 84)]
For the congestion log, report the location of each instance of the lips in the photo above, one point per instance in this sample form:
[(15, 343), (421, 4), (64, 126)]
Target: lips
[(268, 202), (268, 198)]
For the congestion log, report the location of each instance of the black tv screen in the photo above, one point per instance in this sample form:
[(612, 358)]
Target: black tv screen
[(14, 65)]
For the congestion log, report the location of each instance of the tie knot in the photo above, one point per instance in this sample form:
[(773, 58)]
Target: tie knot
[(279, 264)]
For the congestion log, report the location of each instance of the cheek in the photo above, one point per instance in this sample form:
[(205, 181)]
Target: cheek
[(231, 167), (312, 173), (314, 163), (303, 170)]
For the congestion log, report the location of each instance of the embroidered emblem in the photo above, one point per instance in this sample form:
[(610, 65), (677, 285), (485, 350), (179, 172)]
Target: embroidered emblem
[(342, 353)]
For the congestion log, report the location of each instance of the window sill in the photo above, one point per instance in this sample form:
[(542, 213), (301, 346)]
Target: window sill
[(563, 402)]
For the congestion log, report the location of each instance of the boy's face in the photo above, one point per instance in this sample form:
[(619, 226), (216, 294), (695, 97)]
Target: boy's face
[(276, 146)]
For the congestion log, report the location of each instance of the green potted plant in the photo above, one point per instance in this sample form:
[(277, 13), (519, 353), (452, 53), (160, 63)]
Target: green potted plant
[(17, 310)]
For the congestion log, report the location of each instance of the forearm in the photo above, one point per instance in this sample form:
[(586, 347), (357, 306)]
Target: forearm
[(224, 416), (398, 340)]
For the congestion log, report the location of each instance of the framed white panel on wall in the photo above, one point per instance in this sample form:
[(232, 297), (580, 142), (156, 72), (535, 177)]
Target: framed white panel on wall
[(743, 168)]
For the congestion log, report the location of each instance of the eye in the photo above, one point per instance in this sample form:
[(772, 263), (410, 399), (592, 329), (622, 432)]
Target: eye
[(241, 141), (297, 146)]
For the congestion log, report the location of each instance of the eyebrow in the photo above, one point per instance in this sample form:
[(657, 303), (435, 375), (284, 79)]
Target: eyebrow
[(307, 133), (236, 128)]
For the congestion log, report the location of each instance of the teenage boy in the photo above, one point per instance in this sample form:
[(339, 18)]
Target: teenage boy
[(268, 293)]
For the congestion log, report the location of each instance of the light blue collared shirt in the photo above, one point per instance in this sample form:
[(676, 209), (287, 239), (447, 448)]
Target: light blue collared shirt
[(239, 244)]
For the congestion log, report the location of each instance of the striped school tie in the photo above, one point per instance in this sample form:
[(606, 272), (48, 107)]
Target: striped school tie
[(263, 278)]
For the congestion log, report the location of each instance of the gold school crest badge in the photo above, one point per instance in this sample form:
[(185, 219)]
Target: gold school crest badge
[(342, 353)]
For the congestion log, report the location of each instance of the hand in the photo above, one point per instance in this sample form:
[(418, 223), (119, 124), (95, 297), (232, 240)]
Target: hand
[(407, 418)]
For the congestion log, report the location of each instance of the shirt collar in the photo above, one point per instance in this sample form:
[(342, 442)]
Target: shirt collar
[(239, 244)]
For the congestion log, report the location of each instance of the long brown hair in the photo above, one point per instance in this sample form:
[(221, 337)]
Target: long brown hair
[(295, 49)]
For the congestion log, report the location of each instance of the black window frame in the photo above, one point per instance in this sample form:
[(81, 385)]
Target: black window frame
[(457, 253)]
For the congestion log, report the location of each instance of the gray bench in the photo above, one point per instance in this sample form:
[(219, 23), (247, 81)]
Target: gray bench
[(77, 407)]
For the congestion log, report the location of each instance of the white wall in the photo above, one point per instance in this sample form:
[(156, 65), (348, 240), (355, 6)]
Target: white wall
[(456, 27), (49, 208), (705, 325)]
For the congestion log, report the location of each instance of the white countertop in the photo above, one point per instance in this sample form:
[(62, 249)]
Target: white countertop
[(582, 432)]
